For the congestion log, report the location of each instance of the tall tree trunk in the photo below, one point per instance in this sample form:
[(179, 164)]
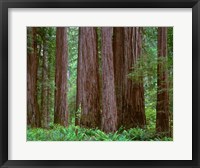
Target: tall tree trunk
[(79, 89), (45, 86), (118, 62), (162, 117), (88, 78), (33, 115), (133, 95), (109, 108), (49, 91), (61, 110)]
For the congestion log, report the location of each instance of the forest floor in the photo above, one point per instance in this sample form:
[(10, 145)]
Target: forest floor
[(76, 133)]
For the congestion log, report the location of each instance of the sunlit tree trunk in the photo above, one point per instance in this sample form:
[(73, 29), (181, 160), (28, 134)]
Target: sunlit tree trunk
[(162, 117), (61, 110), (109, 107)]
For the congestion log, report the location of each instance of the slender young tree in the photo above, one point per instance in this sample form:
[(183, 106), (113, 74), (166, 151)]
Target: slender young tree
[(33, 114), (49, 90), (118, 62), (61, 110), (79, 89), (133, 94), (162, 117), (88, 90), (109, 107)]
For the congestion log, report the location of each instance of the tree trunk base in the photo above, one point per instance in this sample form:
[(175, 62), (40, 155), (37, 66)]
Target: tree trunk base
[(162, 123)]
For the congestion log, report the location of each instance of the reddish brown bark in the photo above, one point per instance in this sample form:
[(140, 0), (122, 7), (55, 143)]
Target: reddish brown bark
[(133, 94), (118, 62), (88, 78), (61, 110), (45, 87), (109, 107), (33, 114), (162, 117)]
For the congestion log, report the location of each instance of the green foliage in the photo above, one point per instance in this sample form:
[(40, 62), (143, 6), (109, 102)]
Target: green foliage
[(72, 71), (46, 35), (72, 55), (29, 40), (76, 133), (150, 117), (170, 68), (72, 104), (145, 70)]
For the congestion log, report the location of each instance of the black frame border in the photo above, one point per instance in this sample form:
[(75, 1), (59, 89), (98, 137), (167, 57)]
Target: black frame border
[(6, 4)]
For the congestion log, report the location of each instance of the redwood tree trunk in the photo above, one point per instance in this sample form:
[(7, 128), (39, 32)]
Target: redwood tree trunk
[(88, 78), (33, 115), (133, 94), (162, 117), (61, 110), (118, 62), (109, 107), (45, 86)]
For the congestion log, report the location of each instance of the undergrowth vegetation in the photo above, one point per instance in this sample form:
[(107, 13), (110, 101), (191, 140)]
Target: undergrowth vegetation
[(76, 133)]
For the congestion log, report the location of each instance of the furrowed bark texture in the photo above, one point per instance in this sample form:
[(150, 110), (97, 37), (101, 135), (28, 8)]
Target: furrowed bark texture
[(118, 61), (133, 94), (162, 117), (88, 91), (33, 115), (45, 81), (109, 107), (61, 110)]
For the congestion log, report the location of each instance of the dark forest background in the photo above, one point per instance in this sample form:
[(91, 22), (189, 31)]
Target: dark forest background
[(100, 83)]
